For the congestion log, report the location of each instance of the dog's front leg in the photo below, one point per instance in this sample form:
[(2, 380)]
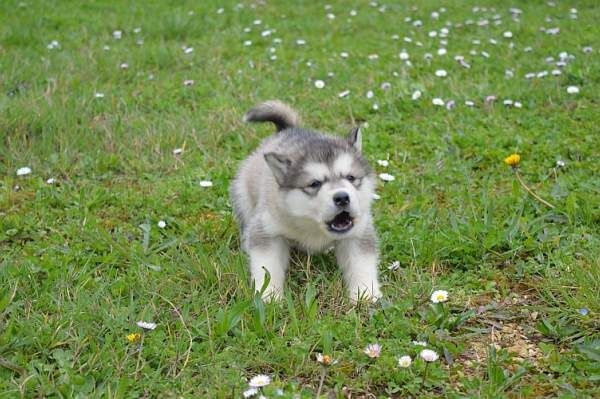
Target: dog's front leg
[(271, 255), (357, 258)]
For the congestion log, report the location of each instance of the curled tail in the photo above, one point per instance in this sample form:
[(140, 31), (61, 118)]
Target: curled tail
[(282, 115)]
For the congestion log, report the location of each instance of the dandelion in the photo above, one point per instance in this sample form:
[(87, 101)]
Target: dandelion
[(512, 160), (404, 361), (439, 296), (146, 325), (134, 337), (373, 351), (429, 355), (259, 381), (23, 171)]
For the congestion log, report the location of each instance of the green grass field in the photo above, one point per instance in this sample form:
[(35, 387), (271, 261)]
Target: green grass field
[(82, 258)]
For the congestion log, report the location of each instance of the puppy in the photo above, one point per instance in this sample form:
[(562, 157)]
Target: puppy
[(308, 190)]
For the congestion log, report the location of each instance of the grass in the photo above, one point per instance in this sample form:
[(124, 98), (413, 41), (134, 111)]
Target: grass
[(82, 260)]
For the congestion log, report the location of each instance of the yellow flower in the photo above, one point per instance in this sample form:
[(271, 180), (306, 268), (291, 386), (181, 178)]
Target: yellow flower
[(512, 160), (135, 337)]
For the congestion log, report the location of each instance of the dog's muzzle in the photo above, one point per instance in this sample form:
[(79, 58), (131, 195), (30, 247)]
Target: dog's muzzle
[(341, 223)]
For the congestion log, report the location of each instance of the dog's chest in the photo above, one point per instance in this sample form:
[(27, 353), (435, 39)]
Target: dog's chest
[(307, 238)]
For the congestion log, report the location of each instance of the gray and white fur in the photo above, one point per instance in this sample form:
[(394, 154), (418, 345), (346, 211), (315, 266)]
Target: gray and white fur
[(309, 190)]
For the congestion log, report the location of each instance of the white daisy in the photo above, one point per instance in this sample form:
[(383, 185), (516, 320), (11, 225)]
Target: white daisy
[(117, 34), (404, 361), (177, 151), (419, 343), (250, 392), (386, 177), (383, 162), (23, 171), (373, 351), (416, 95), (343, 94), (319, 84), (259, 381), (188, 82), (98, 95), (441, 73), (572, 89), (51, 180), (439, 296), (428, 355), (146, 325), (206, 183), (394, 265), (438, 101), (162, 224)]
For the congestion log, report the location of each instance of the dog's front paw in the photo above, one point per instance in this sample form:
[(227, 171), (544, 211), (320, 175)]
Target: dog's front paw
[(272, 294), (365, 294)]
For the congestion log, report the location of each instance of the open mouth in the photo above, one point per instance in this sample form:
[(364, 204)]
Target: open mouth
[(341, 223)]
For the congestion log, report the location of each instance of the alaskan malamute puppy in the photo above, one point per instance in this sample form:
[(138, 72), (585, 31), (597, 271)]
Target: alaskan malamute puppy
[(304, 189)]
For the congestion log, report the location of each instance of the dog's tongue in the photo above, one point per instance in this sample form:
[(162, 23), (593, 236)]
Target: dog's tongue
[(341, 222)]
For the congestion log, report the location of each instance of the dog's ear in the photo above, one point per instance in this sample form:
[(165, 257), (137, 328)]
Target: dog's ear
[(279, 165), (355, 138)]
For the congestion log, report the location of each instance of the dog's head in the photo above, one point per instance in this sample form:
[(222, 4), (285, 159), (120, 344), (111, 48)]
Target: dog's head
[(325, 180)]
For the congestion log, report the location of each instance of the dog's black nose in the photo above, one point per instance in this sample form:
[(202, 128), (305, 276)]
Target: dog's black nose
[(341, 199)]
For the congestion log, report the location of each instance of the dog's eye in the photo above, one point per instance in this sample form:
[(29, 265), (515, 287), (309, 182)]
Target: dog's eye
[(315, 184), (350, 178)]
